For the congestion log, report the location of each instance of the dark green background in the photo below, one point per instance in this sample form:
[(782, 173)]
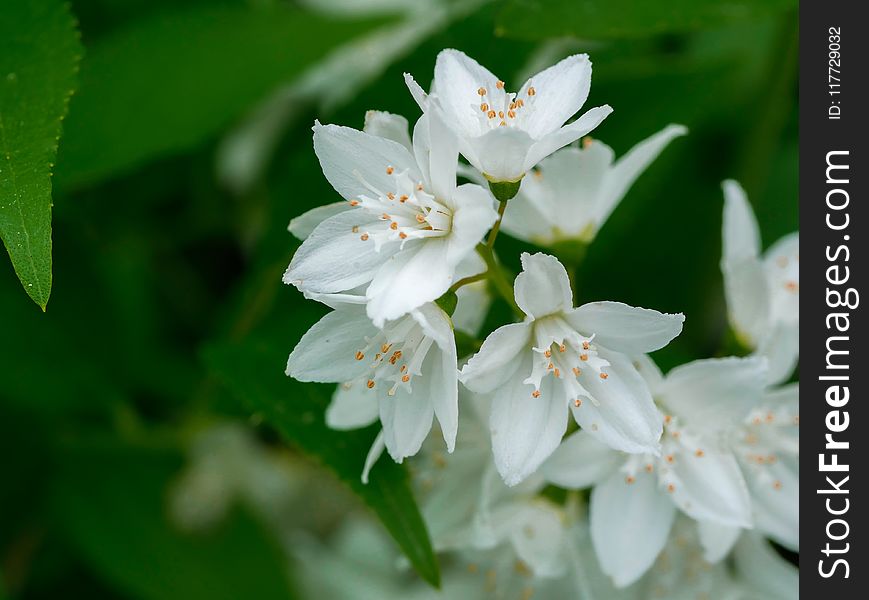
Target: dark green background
[(165, 282)]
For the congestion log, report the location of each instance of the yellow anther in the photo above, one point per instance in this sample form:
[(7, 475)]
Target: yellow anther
[(491, 114), (364, 237), (583, 357), (405, 378), (420, 218), (484, 107), (402, 235), (403, 198), (557, 373), (535, 394), (500, 85), (577, 403), (630, 479), (562, 348), (481, 91), (391, 196), (604, 375), (699, 453), (532, 91), (576, 371), (390, 170), (670, 458), (359, 355), (776, 485), (586, 345), (671, 488), (354, 203), (511, 114), (547, 353), (393, 225), (355, 229), (370, 383)]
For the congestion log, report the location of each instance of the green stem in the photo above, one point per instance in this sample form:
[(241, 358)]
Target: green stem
[(466, 280), (496, 276), (490, 241)]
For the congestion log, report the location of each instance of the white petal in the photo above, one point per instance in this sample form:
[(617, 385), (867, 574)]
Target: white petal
[(498, 358), (473, 216), (457, 78), (710, 487), (473, 305), (406, 419), (537, 533), (649, 371), (327, 352), (629, 525), (373, 455), (626, 170), (388, 126), (560, 91), (409, 280), (524, 219), (714, 394), (580, 462), (500, 153), (542, 288), (782, 351), (776, 500), (759, 564), (717, 539), (525, 430), (626, 418), (626, 328), (347, 153), (566, 135), (745, 285), (437, 151), (334, 258), (440, 382), (740, 234), (304, 224), (416, 91), (353, 406)]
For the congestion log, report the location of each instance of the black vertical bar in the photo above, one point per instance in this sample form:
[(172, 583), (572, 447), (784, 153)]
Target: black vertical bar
[(833, 356)]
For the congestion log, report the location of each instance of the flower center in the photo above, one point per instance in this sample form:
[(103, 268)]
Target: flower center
[(407, 212), (498, 108), (568, 356), (396, 355)]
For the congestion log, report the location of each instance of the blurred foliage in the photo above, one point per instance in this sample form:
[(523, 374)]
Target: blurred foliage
[(158, 266), (39, 54)]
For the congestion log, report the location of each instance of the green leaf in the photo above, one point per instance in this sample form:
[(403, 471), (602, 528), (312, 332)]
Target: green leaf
[(614, 19), (39, 54), (254, 373), (167, 83), (111, 500)]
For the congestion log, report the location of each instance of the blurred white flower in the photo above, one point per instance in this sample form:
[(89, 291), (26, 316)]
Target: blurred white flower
[(502, 134), (763, 292), (410, 226), (227, 464), (573, 192), (562, 357), (404, 374), (768, 448), (696, 472)]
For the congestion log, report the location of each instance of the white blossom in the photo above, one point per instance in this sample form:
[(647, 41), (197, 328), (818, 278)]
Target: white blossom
[(409, 229), (561, 357), (573, 192), (502, 134), (696, 472), (403, 374), (763, 291)]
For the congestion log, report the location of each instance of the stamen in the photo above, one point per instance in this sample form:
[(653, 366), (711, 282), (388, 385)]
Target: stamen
[(364, 237), (403, 198), (391, 196), (354, 203), (547, 353), (390, 170), (420, 218), (481, 91), (511, 114), (649, 468), (359, 355), (577, 403), (604, 375), (671, 488), (535, 394), (405, 378), (532, 91), (484, 107), (576, 371), (370, 383), (491, 114), (630, 479), (500, 85), (583, 357), (777, 485), (557, 373), (586, 345), (669, 458), (402, 235), (562, 348), (699, 453), (500, 114), (393, 225), (355, 229)]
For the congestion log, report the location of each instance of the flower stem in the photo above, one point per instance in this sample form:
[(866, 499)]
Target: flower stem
[(490, 241), (496, 276)]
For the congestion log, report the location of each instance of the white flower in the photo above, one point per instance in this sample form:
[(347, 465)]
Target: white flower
[(574, 191), (504, 134), (410, 226), (695, 473), (562, 357), (763, 293), (404, 374), (767, 446)]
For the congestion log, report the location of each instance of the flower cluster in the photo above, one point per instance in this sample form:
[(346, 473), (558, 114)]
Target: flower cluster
[(708, 451)]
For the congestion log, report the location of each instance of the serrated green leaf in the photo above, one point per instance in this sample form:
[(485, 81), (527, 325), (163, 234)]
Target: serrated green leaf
[(614, 19), (165, 84), (39, 54), (253, 371), (111, 500)]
